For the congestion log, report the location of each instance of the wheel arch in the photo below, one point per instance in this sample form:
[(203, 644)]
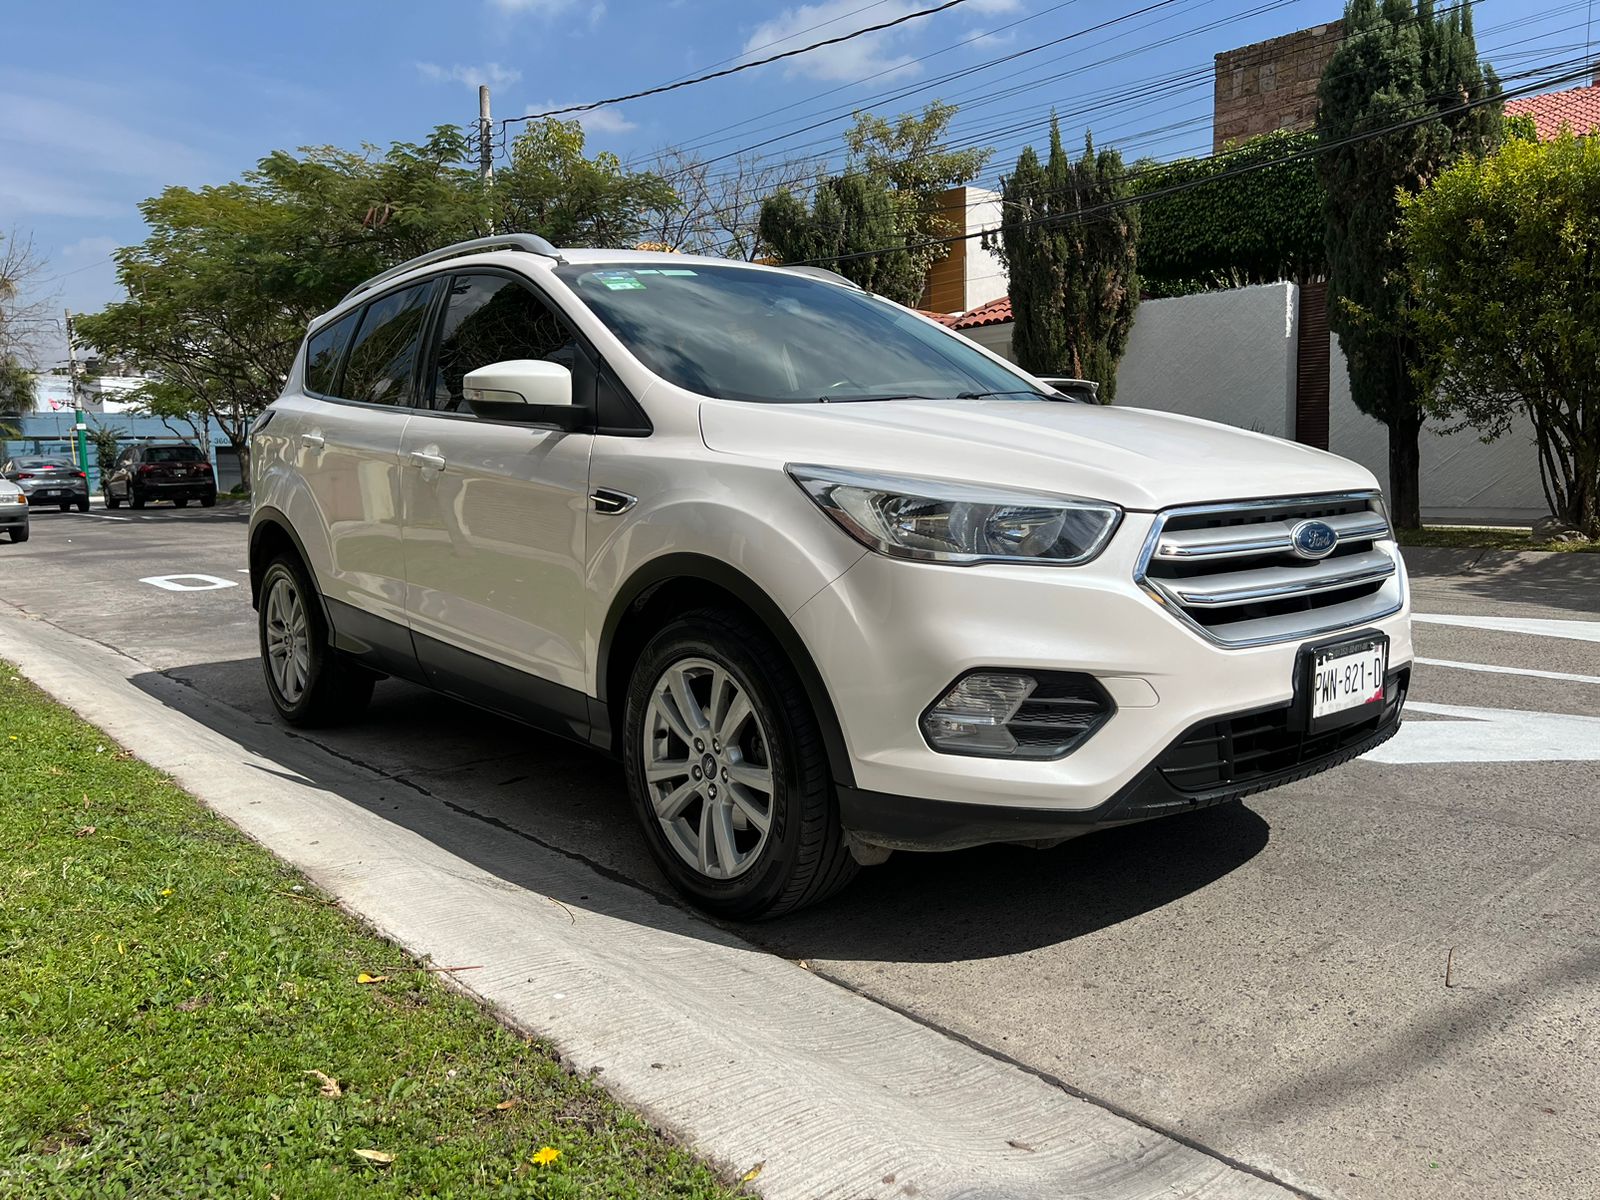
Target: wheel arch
[(270, 535), (673, 584)]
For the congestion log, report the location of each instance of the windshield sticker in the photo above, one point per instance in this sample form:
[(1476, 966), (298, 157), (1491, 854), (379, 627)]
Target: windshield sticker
[(647, 271), (675, 271), (619, 281)]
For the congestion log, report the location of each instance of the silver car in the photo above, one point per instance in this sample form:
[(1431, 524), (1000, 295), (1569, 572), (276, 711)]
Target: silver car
[(49, 480), (13, 511)]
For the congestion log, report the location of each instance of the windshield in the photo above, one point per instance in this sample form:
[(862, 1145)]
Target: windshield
[(777, 337)]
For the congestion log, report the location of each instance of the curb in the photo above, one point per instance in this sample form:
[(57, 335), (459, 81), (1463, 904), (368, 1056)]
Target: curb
[(745, 1057)]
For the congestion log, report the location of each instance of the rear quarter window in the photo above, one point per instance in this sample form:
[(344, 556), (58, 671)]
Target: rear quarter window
[(324, 351)]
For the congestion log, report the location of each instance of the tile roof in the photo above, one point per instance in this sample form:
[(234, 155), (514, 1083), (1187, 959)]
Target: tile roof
[(1576, 108), (996, 312), (942, 318)]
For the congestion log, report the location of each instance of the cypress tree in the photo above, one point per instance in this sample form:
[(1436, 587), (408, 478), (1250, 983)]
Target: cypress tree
[(849, 214), (1395, 64), (1070, 249)]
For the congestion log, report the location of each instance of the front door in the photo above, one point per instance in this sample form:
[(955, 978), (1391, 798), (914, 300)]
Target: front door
[(494, 518)]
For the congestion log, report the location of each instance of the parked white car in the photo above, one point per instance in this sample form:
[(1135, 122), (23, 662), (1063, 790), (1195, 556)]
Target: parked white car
[(13, 511), (830, 579)]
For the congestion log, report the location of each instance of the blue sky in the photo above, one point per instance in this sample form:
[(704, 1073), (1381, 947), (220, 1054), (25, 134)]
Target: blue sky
[(102, 104)]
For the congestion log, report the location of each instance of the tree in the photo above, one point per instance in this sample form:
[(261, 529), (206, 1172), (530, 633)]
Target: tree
[(715, 208), (850, 222), (551, 189), (908, 156), (1504, 259), (1394, 65), (23, 323), (107, 443), (221, 290), (1070, 245)]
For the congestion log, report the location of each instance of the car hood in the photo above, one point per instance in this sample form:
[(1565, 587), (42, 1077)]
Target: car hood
[(1133, 457)]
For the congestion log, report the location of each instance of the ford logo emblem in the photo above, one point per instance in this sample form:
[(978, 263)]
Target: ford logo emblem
[(1313, 539)]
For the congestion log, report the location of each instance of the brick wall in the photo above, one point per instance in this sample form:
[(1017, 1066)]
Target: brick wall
[(1271, 85)]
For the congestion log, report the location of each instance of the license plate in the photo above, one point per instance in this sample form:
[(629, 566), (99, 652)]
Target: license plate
[(1347, 676)]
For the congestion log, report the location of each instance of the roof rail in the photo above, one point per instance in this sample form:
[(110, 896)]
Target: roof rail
[(824, 274), (531, 243)]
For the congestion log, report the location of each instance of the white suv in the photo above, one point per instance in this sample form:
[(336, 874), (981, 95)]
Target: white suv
[(830, 579)]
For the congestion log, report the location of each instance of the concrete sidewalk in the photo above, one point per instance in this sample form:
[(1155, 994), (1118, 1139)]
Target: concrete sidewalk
[(745, 1057)]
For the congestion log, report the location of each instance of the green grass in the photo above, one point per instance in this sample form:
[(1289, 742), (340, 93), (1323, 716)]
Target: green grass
[(166, 988), (1466, 538)]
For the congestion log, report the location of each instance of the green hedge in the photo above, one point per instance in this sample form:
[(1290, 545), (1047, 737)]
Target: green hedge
[(1257, 227)]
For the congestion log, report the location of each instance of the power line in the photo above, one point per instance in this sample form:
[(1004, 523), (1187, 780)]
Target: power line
[(1130, 97), (760, 62), (1230, 172)]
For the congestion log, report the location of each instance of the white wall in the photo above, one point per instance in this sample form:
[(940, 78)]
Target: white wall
[(1463, 480), (1223, 356), (1230, 357)]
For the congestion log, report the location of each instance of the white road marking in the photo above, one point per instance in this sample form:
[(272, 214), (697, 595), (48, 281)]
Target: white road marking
[(1490, 735), (1528, 671), (208, 583), (1582, 631)]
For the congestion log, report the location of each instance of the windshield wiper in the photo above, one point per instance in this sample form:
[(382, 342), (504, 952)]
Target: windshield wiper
[(867, 399), (986, 395)]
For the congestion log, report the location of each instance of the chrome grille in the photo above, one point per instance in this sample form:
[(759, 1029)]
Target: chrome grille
[(1231, 571)]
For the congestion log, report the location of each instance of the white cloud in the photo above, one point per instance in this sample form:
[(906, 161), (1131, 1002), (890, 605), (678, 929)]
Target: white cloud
[(89, 249), (868, 54), (548, 8), (596, 120), (491, 73)]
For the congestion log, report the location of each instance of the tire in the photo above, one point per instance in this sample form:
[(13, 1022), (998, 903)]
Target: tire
[(330, 690), (83, 505), (111, 500), (134, 499), (802, 857), (209, 500), (19, 533), (67, 507), (181, 502)]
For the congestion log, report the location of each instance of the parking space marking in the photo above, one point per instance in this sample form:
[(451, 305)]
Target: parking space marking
[(1583, 631), (208, 583), (1484, 735), (1565, 676)]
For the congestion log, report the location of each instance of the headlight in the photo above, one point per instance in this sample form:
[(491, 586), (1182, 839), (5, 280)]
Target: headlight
[(939, 521)]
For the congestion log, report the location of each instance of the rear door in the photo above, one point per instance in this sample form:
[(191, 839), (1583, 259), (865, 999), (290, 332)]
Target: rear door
[(360, 389), (494, 515)]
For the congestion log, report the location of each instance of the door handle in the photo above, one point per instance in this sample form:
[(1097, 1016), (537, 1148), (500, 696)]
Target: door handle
[(315, 440), (610, 502), (428, 462)]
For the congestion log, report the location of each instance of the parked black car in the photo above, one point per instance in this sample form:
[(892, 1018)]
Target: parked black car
[(173, 471), (47, 480)]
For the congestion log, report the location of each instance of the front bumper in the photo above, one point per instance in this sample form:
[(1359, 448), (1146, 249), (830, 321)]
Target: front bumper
[(1166, 787), (889, 636), (13, 515)]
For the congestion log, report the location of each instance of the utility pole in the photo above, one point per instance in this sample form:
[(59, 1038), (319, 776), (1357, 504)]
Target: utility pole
[(485, 145), (80, 422)]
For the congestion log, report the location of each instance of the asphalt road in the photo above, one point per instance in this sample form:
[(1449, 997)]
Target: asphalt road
[(1267, 981)]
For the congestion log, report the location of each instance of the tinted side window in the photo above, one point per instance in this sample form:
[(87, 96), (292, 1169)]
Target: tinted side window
[(491, 319), (323, 352), (384, 351)]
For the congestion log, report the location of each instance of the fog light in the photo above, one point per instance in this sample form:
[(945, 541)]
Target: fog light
[(971, 717), (1009, 714)]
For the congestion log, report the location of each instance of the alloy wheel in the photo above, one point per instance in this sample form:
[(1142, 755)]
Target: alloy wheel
[(288, 640), (708, 768)]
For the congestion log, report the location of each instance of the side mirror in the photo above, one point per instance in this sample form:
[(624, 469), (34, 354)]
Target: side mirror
[(528, 390)]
